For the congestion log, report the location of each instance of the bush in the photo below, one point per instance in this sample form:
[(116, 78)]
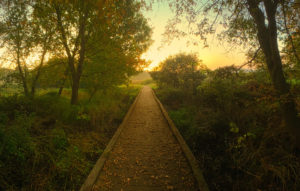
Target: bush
[(183, 120), (59, 108), (233, 126), (70, 167), (16, 150), (48, 144), (172, 97), (59, 139)]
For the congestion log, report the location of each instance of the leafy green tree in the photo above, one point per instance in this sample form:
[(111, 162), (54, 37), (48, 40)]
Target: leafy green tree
[(27, 31), (251, 22), (72, 20), (183, 71), (290, 25), (15, 35), (54, 74), (44, 37), (85, 27), (117, 55)]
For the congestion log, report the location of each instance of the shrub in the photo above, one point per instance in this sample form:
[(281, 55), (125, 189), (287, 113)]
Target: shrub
[(56, 107), (16, 149), (172, 97), (233, 126), (47, 144), (59, 139)]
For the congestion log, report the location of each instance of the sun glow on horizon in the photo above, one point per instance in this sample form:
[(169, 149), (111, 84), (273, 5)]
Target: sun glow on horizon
[(213, 57)]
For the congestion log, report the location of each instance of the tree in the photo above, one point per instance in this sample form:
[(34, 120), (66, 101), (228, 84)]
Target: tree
[(15, 31), (27, 31), (291, 13), (183, 71), (84, 26), (254, 22), (73, 18), (117, 55), (54, 74), (44, 37)]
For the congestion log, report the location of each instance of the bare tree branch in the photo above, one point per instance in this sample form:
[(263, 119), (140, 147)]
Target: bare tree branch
[(250, 61)]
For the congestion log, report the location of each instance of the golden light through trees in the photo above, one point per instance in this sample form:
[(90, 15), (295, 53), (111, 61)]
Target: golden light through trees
[(218, 54)]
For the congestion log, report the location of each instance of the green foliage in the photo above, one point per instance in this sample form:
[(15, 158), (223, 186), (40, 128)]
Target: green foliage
[(104, 109), (59, 139), (58, 108), (233, 125), (91, 44), (252, 24), (183, 120), (16, 149), (180, 71), (28, 31), (69, 168), (16, 143), (54, 69), (48, 144), (172, 96)]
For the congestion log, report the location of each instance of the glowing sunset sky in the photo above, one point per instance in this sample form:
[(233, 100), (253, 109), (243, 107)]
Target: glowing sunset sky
[(214, 56)]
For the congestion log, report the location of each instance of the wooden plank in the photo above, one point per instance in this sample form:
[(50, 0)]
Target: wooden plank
[(186, 150), (92, 177)]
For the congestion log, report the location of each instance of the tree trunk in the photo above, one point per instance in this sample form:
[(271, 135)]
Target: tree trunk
[(22, 75), (92, 94), (78, 72), (267, 37), (34, 82), (71, 60), (61, 88), (63, 81), (75, 71), (75, 89)]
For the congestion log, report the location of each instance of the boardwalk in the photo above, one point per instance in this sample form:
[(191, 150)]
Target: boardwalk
[(146, 156)]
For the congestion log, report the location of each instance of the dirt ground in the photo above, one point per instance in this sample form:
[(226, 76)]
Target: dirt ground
[(146, 156)]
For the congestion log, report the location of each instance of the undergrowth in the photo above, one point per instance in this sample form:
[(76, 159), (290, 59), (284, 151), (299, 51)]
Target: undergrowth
[(48, 144), (233, 126)]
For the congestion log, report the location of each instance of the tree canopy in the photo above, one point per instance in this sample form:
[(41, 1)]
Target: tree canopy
[(180, 71), (94, 36), (258, 23)]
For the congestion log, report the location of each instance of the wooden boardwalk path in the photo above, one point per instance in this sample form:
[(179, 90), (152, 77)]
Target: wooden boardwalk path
[(146, 155)]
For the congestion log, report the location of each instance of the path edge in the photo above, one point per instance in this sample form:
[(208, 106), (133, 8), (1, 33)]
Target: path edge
[(95, 172), (202, 185)]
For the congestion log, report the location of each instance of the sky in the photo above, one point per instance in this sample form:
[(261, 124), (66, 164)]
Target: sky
[(215, 56)]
